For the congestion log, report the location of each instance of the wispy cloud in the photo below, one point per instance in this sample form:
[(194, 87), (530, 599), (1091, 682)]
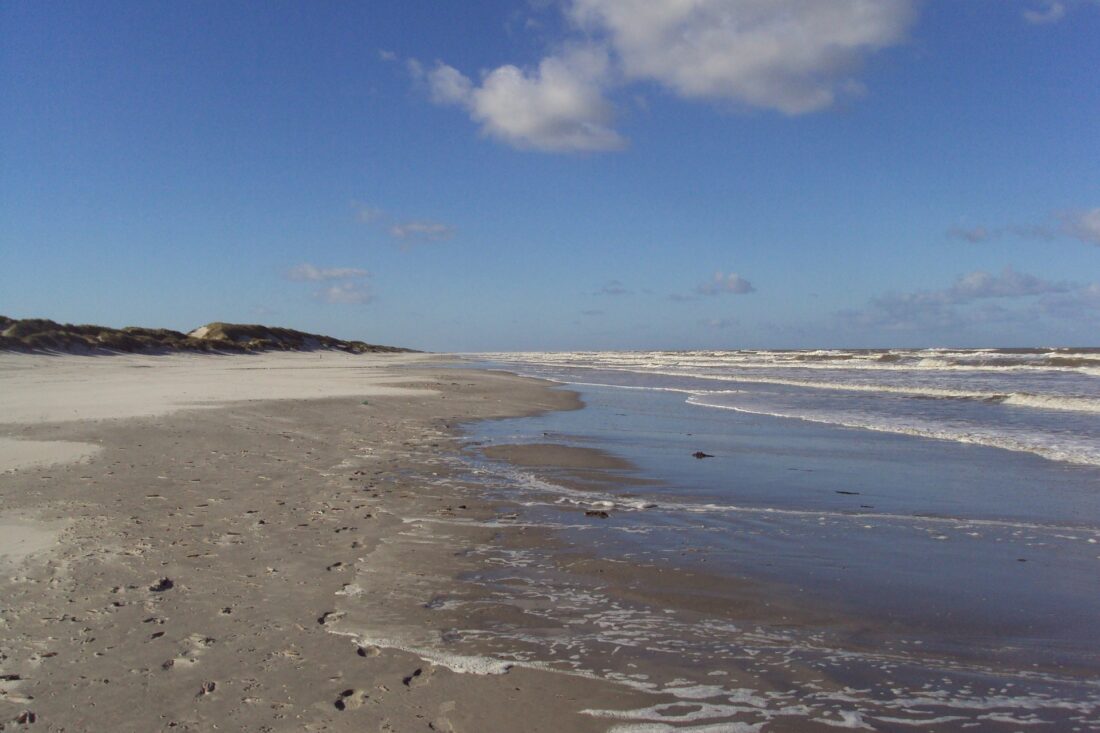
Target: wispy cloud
[(344, 284), (974, 235), (973, 298), (613, 288), (720, 324), (423, 231), (1079, 305), (346, 293), (792, 56), (723, 284), (1043, 13), (1081, 224), (408, 233), (1008, 284), (367, 213), (1048, 12), (306, 272)]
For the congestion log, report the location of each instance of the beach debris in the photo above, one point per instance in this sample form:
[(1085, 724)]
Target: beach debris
[(701, 454), (26, 717), (162, 585), (598, 513), (368, 651), (207, 688)]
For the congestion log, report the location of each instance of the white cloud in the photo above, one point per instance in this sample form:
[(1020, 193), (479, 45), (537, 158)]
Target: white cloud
[(731, 283), (448, 85), (425, 231), (306, 272), (558, 107), (1050, 11), (385, 55), (795, 56), (719, 323), (347, 293), (1084, 225)]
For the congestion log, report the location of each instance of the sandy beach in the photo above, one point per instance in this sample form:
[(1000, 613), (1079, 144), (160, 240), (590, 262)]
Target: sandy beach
[(324, 541), (179, 536)]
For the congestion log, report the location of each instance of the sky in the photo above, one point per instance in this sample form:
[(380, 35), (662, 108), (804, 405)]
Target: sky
[(509, 175)]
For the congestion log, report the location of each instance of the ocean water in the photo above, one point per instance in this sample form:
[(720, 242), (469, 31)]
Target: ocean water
[(1042, 401), (881, 540)]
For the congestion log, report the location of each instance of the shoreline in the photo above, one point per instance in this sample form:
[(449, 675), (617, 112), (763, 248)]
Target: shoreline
[(758, 538), (376, 545), (195, 582)]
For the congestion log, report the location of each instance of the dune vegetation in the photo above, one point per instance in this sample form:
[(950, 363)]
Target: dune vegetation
[(42, 335)]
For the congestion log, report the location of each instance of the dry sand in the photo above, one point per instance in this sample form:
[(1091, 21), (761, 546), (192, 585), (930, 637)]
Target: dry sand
[(170, 568)]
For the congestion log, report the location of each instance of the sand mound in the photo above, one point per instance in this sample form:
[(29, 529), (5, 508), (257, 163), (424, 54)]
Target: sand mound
[(39, 334)]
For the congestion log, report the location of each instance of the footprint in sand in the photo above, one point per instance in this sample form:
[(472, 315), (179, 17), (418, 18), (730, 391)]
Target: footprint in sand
[(329, 616), (442, 723), (420, 677), (351, 699), (190, 649), (9, 694)]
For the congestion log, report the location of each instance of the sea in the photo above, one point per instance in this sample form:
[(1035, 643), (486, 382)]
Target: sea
[(897, 539)]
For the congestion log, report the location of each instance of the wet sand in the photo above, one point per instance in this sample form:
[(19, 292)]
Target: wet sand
[(286, 543), (193, 571)]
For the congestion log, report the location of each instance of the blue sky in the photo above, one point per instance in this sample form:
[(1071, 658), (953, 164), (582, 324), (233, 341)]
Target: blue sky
[(558, 174)]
